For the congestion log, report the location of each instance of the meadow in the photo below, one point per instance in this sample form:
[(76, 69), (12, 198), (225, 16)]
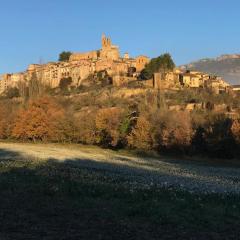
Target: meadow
[(47, 198)]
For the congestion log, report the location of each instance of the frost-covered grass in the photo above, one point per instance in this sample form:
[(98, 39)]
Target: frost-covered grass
[(49, 199)]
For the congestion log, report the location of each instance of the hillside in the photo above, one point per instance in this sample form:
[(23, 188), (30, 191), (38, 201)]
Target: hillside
[(226, 66)]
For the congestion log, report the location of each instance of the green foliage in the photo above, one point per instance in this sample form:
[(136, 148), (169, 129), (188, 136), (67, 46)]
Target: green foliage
[(64, 56), (12, 93), (125, 126), (65, 83), (162, 64)]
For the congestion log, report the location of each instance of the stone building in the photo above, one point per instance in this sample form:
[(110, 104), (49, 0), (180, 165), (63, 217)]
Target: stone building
[(79, 67), (217, 85), (177, 80), (108, 51), (141, 62), (4, 82), (121, 70)]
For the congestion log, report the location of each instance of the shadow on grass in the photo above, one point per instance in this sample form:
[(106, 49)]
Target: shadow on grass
[(69, 200)]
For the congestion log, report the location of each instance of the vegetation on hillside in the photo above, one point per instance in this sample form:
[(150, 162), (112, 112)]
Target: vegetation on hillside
[(12, 92), (64, 56), (134, 117), (141, 122), (162, 64)]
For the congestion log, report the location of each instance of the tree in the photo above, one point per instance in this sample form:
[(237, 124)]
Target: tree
[(85, 125), (12, 92), (140, 136), (235, 129), (163, 63), (64, 56), (199, 143), (41, 121), (65, 83), (23, 89), (108, 124), (35, 86), (220, 137), (3, 121), (171, 130)]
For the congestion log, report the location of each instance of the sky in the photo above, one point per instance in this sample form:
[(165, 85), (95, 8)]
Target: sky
[(33, 31)]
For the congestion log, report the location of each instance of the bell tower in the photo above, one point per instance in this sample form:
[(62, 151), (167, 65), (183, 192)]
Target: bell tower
[(106, 42), (108, 50), (103, 40)]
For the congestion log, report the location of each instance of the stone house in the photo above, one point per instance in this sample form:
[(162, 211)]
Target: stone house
[(121, 69)]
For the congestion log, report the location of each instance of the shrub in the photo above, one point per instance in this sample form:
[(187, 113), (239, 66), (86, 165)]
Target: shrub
[(65, 83), (175, 131), (108, 123), (85, 127), (235, 129), (140, 137), (12, 92)]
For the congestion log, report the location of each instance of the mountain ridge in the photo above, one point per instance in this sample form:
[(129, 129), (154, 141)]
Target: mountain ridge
[(227, 66)]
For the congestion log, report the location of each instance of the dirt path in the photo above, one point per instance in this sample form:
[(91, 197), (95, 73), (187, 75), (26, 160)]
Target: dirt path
[(136, 171)]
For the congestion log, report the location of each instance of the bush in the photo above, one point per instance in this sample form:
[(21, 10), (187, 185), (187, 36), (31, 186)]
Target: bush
[(65, 83), (12, 93), (140, 137), (235, 129), (174, 131), (85, 127), (108, 123)]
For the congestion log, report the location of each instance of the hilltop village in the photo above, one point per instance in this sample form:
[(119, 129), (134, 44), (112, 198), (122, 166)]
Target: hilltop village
[(79, 67), (103, 98), (120, 71)]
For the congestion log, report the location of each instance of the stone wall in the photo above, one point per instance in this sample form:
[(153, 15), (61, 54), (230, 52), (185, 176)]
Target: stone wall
[(83, 56), (122, 80)]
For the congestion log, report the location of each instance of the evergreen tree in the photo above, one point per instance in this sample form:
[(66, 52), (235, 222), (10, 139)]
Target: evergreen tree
[(161, 64), (64, 56)]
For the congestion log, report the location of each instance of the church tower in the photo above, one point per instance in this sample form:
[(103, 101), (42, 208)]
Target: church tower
[(106, 42), (103, 40), (108, 50)]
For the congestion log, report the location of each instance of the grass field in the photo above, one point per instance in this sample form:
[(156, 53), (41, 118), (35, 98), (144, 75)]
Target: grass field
[(49, 199)]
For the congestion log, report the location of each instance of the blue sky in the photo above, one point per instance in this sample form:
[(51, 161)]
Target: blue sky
[(34, 31)]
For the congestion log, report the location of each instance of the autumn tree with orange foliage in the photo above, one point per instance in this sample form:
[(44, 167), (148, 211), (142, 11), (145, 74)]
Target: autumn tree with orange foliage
[(140, 137), (7, 117), (162, 131), (3, 122), (108, 123), (85, 128), (40, 121), (236, 130), (176, 131)]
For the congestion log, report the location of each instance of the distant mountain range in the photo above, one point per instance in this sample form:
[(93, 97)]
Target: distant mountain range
[(226, 66)]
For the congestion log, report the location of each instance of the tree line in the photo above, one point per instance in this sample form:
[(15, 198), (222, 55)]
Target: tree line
[(144, 127)]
